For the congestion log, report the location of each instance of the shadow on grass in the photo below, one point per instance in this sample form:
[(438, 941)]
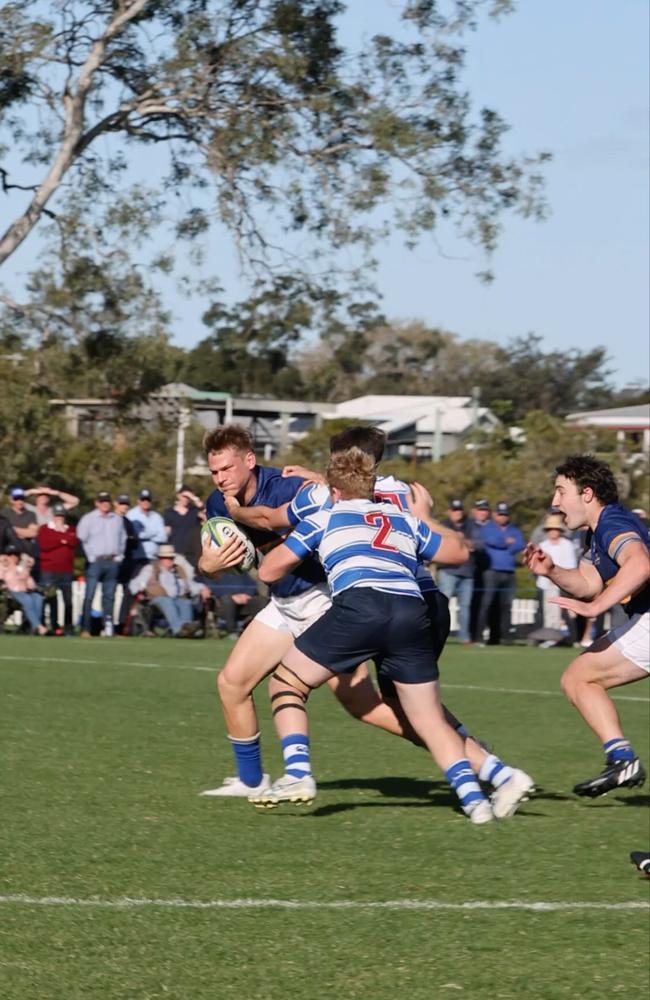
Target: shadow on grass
[(391, 787)]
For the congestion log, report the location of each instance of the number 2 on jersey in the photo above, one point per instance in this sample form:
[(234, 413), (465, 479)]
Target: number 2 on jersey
[(382, 523)]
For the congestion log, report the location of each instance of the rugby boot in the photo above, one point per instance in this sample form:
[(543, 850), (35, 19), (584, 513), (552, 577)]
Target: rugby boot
[(617, 774)]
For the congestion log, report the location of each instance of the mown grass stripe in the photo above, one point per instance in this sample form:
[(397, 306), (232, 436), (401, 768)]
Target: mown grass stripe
[(182, 666), (127, 902)]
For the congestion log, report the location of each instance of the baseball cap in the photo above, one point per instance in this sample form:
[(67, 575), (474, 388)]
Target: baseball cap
[(58, 508), (482, 504), (103, 495), (144, 495), (11, 550), (456, 505), (123, 498), (17, 493), (502, 507)]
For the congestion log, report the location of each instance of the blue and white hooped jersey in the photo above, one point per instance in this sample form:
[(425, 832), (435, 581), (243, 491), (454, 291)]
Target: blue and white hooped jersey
[(315, 497), (362, 543)]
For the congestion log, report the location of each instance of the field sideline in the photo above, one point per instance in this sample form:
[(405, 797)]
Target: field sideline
[(120, 882)]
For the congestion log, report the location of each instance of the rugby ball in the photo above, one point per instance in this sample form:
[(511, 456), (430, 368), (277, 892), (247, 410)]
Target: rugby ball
[(218, 530)]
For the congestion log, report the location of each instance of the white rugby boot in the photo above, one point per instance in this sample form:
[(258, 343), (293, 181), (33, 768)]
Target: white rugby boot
[(285, 789), (235, 788), (507, 797)]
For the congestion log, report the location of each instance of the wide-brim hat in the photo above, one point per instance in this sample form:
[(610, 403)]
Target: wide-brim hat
[(555, 521), (166, 552)]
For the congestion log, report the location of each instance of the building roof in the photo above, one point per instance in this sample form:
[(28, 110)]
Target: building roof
[(635, 417)]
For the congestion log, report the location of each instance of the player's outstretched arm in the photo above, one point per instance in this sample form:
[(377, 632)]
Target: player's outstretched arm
[(266, 518), (277, 564), (453, 549), (633, 574)]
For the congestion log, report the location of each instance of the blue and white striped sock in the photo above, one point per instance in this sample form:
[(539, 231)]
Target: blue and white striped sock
[(494, 771), (295, 750), (618, 749), (248, 757), (463, 781)]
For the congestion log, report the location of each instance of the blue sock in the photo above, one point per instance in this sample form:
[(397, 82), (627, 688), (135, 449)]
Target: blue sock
[(248, 757), (295, 750), (463, 781), (494, 771), (618, 749)]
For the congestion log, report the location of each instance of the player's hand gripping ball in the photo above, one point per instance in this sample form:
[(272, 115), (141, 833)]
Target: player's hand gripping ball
[(218, 530)]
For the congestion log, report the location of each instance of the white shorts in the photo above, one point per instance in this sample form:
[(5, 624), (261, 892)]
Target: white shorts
[(296, 613), (632, 640)]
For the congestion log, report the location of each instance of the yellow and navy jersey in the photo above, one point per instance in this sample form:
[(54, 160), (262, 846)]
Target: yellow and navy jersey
[(314, 497), (617, 526), (362, 543)]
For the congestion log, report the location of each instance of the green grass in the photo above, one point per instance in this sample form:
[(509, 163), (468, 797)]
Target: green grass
[(105, 745)]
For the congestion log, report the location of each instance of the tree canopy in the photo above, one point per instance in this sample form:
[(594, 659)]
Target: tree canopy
[(265, 120)]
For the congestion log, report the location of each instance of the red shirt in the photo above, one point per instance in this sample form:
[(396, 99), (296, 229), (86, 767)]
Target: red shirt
[(57, 549)]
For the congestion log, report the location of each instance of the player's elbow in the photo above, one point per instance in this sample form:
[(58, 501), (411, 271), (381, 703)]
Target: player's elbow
[(267, 573)]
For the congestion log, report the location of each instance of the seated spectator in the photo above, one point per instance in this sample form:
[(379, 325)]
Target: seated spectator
[(57, 542), (41, 508), (237, 601), (183, 523), (170, 588), (18, 580)]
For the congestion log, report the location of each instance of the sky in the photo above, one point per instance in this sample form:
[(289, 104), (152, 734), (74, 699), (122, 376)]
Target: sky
[(570, 77)]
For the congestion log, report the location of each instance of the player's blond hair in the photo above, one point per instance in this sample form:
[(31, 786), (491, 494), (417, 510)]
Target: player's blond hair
[(352, 472)]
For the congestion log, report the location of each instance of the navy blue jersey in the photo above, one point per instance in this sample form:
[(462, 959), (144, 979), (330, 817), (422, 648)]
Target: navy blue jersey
[(616, 527), (366, 544), (273, 491)]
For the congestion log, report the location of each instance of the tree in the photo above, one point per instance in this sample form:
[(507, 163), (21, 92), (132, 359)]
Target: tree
[(258, 102)]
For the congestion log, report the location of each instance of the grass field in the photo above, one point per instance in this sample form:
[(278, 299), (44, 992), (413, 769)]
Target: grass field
[(120, 882)]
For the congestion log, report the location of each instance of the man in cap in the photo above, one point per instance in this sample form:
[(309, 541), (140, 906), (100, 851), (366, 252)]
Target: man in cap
[(57, 541), (480, 515), (503, 541), (459, 580), (102, 534), (22, 521), (150, 531), (183, 524)]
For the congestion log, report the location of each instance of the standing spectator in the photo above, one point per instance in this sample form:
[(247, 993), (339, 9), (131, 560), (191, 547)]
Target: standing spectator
[(22, 521), (20, 583), (121, 507), (150, 531), (480, 516), (57, 542), (183, 523), (102, 534), (41, 506), (7, 535), (502, 543), (562, 552), (459, 580), (171, 589)]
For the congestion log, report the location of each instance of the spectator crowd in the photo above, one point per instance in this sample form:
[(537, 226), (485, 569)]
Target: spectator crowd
[(151, 558)]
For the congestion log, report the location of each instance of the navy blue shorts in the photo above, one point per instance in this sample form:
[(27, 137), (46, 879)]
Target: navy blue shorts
[(366, 624), (439, 623)]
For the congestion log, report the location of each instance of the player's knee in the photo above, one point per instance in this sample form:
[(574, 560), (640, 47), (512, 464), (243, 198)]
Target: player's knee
[(231, 689), (571, 679)]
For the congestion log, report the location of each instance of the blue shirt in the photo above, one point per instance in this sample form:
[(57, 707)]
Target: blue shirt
[(362, 543), (312, 498), (502, 543), (272, 491), (616, 527)]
